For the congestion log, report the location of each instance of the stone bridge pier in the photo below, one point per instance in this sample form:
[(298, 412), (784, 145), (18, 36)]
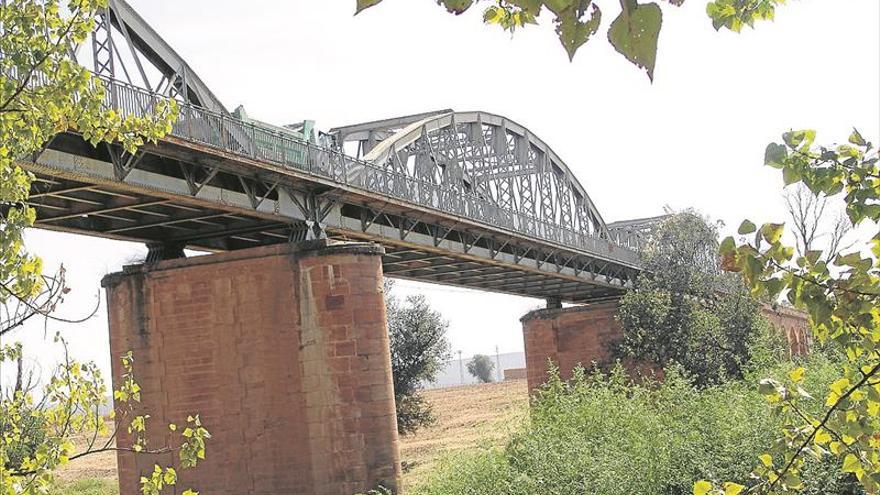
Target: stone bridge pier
[(282, 351), (583, 334)]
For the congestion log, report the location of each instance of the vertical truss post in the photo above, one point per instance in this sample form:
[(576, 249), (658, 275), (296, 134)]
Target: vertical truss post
[(102, 49), (102, 44)]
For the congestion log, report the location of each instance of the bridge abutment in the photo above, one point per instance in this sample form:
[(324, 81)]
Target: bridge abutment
[(283, 352)]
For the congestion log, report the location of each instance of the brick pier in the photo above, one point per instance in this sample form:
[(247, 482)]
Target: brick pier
[(582, 335), (282, 350)]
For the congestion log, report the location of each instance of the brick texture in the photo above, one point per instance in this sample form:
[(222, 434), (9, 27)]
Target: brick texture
[(581, 335), (283, 352)]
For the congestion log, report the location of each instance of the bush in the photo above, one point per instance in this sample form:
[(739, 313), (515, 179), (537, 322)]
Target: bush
[(603, 435), (31, 435)]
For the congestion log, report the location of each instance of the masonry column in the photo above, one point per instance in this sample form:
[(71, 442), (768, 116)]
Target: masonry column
[(281, 350), (568, 337), (584, 334)]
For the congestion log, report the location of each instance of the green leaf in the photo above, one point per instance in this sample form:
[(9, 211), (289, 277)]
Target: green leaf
[(772, 232), (857, 139), (365, 4), (746, 227), (774, 287), (795, 139), (790, 175), (822, 437), (457, 6), (840, 386), (775, 155), (635, 32), (851, 464), (573, 31), (170, 476), (728, 245), (702, 487), (493, 14), (558, 6), (733, 488)]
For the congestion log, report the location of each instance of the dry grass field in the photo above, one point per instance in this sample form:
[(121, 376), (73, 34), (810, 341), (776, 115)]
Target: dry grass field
[(468, 417)]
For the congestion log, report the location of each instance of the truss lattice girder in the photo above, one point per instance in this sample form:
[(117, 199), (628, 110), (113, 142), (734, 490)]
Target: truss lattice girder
[(504, 158), (144, 41)]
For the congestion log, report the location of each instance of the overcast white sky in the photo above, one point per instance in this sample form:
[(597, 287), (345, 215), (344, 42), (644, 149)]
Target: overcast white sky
[(693, 138)]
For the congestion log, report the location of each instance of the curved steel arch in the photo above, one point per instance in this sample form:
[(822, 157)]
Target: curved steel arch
[(485, 155)]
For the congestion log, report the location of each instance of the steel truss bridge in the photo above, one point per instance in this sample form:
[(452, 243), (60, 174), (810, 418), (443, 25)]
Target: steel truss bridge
[(468, 199)]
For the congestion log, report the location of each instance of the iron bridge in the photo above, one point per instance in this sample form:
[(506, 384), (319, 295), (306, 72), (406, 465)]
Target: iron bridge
[(467, 199)]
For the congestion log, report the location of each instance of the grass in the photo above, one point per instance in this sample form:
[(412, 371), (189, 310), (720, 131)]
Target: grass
[(90, 486), (468, 418)]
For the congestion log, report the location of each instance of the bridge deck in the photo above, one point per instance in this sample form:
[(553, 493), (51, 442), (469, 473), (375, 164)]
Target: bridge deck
[(217, 183)]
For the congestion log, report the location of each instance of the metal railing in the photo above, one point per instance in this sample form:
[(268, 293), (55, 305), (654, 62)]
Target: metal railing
[(253, 141)]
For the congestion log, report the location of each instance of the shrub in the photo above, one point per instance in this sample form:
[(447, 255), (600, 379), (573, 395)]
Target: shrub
[(604, 435), (29, 427)]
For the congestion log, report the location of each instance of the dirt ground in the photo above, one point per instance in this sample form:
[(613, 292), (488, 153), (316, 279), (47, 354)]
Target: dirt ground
[(101, 465), (467, 417)]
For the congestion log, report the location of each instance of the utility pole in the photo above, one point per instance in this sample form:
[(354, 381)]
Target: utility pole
[(460, 368), (497, 365)]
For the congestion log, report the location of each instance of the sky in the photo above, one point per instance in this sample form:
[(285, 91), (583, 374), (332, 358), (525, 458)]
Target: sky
[(694, 138)]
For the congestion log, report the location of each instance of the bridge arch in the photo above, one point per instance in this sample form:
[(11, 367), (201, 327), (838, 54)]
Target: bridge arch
[(481, 154)]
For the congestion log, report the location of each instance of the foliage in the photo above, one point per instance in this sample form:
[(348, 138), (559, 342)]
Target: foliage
[(481, 368), (43, 91), (605, 435), (419, 348), (634, 33), (684, 310), (31, 429), (842, 299), (69, 407), (734, 14)]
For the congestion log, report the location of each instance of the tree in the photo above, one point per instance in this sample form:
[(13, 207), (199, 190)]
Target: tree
[(38, 431), (419, 348), (481, 368), (841, 296), (44, 91), (634, 33), (813, 223), (684, 310)]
